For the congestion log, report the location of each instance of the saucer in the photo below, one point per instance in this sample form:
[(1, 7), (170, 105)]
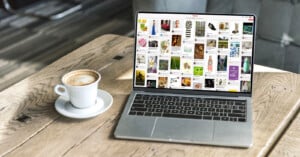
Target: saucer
[(64, 107)]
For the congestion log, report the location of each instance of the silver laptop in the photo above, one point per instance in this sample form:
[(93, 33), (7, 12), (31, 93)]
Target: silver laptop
[(192, 79)]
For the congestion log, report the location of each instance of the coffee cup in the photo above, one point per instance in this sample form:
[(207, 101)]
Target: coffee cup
[(80, 87)]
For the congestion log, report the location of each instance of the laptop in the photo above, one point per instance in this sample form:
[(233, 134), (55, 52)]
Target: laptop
[(192, 79)]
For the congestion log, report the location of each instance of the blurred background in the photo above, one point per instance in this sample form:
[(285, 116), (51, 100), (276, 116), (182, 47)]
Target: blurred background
[(34, 33)]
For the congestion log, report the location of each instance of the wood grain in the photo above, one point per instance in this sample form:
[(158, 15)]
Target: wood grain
[(46, 133), (34, 96), (289, 144)]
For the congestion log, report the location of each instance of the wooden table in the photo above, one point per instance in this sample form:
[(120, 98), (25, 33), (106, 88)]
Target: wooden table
[(30, 126)]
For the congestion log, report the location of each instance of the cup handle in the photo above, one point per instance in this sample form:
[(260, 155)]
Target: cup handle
[(61, 90)]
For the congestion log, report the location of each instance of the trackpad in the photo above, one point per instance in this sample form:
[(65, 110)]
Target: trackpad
[(183, 129)]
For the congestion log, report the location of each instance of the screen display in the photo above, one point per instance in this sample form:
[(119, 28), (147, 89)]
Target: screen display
[(194, 51)]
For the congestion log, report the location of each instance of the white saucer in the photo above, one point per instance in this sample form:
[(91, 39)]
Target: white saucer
[(64, 107)]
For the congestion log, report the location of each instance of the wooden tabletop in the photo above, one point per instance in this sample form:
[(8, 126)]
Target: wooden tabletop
[(30, 126)]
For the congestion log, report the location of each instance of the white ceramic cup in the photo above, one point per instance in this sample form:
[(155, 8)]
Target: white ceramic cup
[(80, 87)]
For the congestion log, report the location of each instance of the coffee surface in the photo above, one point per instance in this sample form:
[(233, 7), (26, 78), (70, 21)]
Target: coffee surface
[(80, 78)]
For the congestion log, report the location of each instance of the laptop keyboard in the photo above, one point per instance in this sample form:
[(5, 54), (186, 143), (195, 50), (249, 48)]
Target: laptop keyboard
[(189, 107)]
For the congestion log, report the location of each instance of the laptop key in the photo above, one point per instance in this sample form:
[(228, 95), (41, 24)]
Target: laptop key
[(155, 114), (216, 118), (175, 111), (182, 112), (139, 109), (155, 102), (211, 110), (156, 106), (164, 106), (203, 109), (242, 119), (187, 108), (172, 107), (236, 115), (138, 102), (191, 112), (138, 96), (138, 105), (171, 103), (140, 113), (233, 119), (199, 113), (186, 104), (132, 113), (238, 111), (207, 117), (158, 110), (179, 107), (151, 110), (215, 114), (148, 114), (182, 116), (224, 118)]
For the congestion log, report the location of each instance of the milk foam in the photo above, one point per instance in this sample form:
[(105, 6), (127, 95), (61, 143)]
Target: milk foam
[(81, 79)]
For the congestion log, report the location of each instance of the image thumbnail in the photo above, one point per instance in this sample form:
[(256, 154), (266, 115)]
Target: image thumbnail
[(165, 25), (223, 42), (197, 85), (175, 63), (153, 43), (140, 59), (210, 64), (247, 45), (198, 71), (152, 64), (175, 82), (153, 28), (211, 26), (140, 77), (188, 48), (186, 66), (211, 43), (209, 83), (164, 46), (143, 25), (199, 51), (142, 42), (163, 64), (233, 72), (245, 86), (162, 82), (221, 82), (247, 28), (235, 29), (224, 26), (188, 27), (176, 24), (200, 29), (222, 63), (234, 49), (151, 83), (186, 81), (176, 40), (246, 65)]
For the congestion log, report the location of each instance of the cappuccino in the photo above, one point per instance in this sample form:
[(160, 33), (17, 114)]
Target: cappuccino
[(80, 77)]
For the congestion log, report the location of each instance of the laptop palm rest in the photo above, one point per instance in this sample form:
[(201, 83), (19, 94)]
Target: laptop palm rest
[(173, 129), (139, 127)]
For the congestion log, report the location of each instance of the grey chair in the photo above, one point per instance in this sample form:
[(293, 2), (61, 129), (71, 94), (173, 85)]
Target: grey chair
[(74, 7)]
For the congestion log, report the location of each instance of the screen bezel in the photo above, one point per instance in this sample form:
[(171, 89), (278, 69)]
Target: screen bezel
[(192, 91)]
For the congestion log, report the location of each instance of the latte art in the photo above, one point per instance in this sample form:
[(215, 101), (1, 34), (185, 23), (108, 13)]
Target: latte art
[(81, 78)]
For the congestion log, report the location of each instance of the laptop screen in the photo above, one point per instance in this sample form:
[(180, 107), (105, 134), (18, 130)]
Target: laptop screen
[(194, 51)]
